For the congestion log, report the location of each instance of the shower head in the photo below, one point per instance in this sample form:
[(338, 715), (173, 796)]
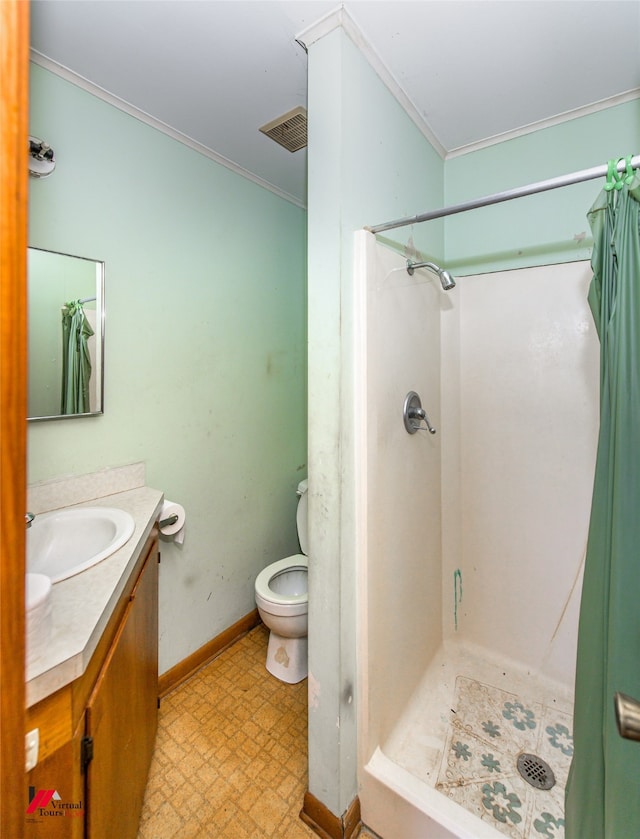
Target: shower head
[(446, 280)]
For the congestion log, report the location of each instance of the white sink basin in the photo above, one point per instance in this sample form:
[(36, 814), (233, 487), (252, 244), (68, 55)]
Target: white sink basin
[(38, 616), (64, 542), (37, 590)]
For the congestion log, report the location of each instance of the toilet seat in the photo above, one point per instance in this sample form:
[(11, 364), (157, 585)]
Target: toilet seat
[(276, 602)]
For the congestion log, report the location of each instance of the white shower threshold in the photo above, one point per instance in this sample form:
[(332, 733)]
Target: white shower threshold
[(458, 740)]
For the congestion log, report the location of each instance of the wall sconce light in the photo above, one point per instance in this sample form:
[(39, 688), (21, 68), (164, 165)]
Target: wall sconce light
[(42, 160)]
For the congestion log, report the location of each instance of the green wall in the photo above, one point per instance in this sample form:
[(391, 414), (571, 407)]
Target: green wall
[(205, 347), (367, 162), (539, 229)]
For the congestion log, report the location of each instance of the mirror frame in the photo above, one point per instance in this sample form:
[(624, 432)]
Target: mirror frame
[(100, 322)]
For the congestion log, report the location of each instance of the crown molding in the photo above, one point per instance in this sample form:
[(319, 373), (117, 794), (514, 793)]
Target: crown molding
[(321, 27), (100, 93), (339, 18), (566, 116)]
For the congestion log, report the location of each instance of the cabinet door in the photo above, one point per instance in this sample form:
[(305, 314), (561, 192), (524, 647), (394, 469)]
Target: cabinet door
[(55, 808), (122, 716)]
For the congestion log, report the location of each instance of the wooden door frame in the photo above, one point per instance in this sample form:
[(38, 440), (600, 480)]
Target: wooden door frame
[(14, 130)]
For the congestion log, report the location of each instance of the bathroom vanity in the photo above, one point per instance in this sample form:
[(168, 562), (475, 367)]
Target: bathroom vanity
[(93, 696)]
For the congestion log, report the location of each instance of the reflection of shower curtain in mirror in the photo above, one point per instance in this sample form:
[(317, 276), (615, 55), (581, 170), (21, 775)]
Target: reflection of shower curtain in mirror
[(76, 363)]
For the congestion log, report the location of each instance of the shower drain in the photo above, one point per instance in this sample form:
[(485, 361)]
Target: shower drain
[(536, 771)]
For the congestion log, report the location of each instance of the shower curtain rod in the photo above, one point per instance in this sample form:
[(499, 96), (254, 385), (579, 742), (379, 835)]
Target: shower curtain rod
[(508, 195)]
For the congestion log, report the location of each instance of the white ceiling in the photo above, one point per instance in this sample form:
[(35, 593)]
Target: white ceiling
[(216, 70)]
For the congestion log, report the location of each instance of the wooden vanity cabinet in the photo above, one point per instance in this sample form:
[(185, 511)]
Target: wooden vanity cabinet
[(97, 734), (122, 717), (61, 771)]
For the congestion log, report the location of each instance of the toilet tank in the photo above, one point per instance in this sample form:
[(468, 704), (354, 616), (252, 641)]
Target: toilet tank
[(301, 517)]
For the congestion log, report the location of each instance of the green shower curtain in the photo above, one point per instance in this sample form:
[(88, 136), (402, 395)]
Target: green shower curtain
[(76, 362), (603, 790)]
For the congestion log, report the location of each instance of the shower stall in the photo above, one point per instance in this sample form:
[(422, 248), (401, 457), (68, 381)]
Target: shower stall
[(470, 542)]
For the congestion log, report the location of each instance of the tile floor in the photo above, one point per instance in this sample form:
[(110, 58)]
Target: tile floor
[(231, 753), (488, 729)]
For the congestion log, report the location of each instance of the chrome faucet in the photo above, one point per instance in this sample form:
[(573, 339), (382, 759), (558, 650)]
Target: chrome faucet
[(29, 517)]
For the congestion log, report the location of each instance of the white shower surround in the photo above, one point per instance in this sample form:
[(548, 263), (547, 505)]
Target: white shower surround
[(507, 368)]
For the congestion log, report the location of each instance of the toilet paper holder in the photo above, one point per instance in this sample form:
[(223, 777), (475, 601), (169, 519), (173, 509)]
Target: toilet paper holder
[(168, 521)]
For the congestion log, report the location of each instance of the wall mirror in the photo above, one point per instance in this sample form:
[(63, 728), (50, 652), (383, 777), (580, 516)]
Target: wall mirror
[(66, 335)]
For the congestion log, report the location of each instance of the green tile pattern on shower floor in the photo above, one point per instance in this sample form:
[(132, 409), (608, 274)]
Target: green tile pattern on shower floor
[(489, 729)]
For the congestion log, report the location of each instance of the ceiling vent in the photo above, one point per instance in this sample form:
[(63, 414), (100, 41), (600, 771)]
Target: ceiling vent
[(289, 130)]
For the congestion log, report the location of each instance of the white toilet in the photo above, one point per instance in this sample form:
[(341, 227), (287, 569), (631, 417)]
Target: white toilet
[(282, 600)]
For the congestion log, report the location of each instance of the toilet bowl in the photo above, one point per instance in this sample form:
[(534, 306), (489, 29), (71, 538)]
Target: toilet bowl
[(282, 600)]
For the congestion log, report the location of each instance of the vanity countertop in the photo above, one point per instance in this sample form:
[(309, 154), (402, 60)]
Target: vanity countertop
[(82, 605)]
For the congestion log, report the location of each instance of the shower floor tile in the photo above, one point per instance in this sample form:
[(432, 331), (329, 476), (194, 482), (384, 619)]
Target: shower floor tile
[(489, 729)]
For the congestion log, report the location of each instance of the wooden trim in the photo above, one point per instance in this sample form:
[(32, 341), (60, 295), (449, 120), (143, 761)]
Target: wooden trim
[(188, 666), (327, 825), (14, 191)]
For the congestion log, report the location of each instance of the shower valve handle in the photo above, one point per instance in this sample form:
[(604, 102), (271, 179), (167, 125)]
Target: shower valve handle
[(421, 415), (414, 414)]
